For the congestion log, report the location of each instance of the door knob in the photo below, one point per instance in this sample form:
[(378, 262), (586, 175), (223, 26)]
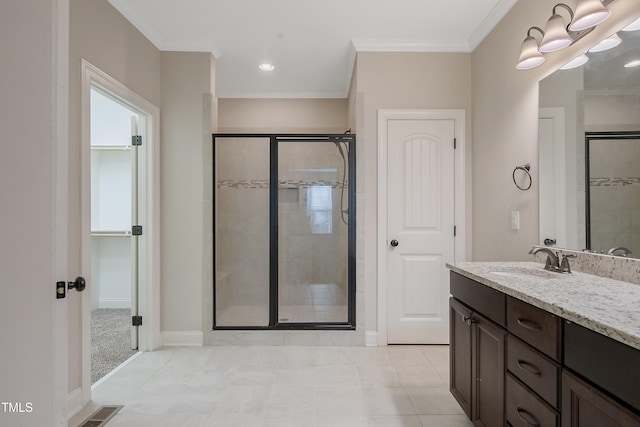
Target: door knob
[(394, 243), (79, 284)]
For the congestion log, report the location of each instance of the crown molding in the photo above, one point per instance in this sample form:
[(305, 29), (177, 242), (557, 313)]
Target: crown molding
[(489, 23), (373, 45)]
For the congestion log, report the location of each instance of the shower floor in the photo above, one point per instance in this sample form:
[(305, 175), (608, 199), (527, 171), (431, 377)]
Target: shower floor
[(298, 304)]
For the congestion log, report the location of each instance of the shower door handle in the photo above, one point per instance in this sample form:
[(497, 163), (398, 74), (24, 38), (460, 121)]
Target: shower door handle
[(394, 243)]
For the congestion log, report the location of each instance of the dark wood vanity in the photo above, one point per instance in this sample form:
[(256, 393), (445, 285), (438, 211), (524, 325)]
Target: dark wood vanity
[(514, 364)]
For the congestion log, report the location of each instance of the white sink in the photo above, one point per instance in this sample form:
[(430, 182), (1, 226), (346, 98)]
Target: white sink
[(524, 273)]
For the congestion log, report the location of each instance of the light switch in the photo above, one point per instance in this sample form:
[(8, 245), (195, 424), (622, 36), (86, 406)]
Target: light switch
[(515, 220)]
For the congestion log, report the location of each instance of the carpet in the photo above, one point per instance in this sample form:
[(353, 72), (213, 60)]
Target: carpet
[(110, 340)]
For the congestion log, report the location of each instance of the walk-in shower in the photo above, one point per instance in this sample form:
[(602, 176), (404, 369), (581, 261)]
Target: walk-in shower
[(284, 231)]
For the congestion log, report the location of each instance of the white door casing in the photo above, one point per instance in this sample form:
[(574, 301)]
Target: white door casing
[(148, 294), (421, 199)]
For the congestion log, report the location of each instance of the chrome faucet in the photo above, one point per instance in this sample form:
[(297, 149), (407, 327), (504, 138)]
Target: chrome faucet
[(553, 260), (624, 251)]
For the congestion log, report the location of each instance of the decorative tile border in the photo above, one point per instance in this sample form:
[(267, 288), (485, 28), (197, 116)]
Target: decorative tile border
[(264, 184), (613, 182)]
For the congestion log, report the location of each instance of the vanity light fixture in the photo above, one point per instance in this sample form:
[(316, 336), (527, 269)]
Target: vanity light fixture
[(632, 64), (634, 26), (589, 13), (530, 56), (606, 44), (575, 62), (266, 67), (556, 35)]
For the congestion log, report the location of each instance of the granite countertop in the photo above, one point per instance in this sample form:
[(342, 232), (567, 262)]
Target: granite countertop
[(607, 306)]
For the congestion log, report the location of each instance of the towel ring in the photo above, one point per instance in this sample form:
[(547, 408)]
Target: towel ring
[(526, 168)]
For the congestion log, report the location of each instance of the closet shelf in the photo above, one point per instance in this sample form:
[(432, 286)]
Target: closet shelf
[(111, 147), (110, 233)]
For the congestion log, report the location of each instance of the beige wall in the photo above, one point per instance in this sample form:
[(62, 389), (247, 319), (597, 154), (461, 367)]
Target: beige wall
[(282, 115), (505, 126), (186, 126), (397, 81)]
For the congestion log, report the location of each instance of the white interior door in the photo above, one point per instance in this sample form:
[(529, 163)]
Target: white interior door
[(551, 176), (420, 226)]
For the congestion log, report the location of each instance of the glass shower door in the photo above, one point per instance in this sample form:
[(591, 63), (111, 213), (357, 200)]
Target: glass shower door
[(312, 231), (284, 231), (242, 232)]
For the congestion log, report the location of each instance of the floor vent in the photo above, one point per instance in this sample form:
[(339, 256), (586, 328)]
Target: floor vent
[(101, 416)]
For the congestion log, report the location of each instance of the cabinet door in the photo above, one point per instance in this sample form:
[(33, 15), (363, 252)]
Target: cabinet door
[(488, 373), (585, 406), (460, 354)]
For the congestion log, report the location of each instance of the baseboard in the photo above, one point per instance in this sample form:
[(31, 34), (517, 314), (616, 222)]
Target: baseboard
[(182, 338), (74, 402), (371, 338)]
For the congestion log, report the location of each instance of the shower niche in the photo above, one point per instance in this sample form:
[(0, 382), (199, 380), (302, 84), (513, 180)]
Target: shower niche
[(284, 231)]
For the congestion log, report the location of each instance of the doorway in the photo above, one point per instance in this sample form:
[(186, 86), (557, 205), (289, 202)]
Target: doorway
[(120, 219), (421, 222), (114, 245)]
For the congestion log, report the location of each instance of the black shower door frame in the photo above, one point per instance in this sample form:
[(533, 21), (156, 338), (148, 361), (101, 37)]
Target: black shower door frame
[(588, 138), (274, 140)]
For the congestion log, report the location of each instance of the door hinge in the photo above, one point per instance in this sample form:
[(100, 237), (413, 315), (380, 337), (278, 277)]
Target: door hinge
[(136, 230), (136, 320), (455, 143), (454, 231), (136, 140)]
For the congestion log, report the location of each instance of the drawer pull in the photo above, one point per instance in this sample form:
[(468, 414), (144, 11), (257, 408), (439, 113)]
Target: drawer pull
[(526, 366), (527, 417), (527, 324)]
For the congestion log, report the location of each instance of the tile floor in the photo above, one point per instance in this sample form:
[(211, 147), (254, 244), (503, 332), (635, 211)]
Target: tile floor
[(282, 386)]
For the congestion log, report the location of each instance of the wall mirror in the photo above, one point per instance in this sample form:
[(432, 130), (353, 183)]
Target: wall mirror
[(589, 152)]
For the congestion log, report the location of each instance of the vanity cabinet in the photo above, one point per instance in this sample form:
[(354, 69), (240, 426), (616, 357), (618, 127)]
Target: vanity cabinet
[(517, 365), (533, 366), (478, 337)]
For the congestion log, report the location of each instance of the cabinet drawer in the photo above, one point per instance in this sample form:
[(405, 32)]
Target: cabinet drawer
[(483, 299), (535, 326), (537, 371), (524, 409)]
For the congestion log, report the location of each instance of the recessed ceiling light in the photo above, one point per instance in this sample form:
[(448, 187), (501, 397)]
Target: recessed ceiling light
[(634, 26), (632, 64), (267, 67)]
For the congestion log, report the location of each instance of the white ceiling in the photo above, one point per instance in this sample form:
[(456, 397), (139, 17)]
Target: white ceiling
[(312, 43)]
